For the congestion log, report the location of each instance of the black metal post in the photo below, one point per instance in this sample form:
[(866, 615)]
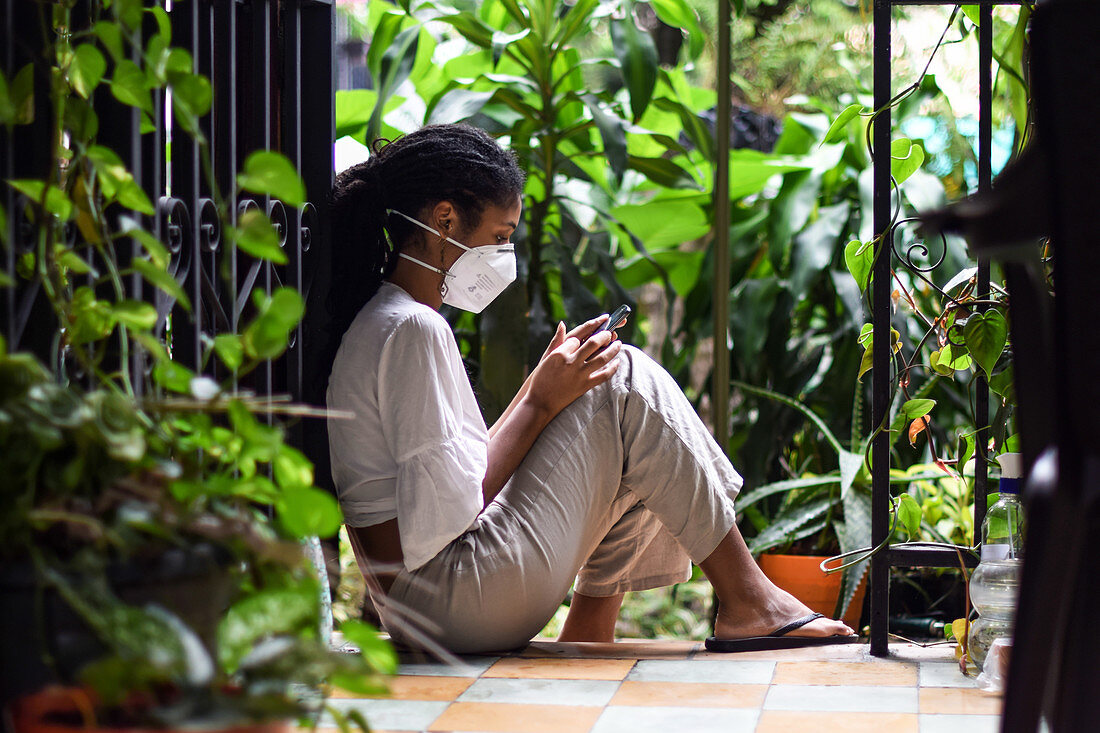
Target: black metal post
[(317, 131), (985, 183), (721, 379), (880, 306), (25, 150)]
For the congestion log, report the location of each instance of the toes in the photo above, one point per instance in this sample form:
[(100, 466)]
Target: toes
[(824, 627)]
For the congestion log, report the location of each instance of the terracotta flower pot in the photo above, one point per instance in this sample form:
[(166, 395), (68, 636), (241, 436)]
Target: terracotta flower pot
[(72, 710), (802, 577)]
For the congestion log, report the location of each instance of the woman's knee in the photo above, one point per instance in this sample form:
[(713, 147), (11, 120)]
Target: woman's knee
[(641, 373)]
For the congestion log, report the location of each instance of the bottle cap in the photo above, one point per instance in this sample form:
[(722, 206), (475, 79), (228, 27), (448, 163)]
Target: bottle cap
[(1011, 469)]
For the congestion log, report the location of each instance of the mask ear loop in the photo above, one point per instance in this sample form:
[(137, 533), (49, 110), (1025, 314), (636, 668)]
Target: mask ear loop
[(443, 289), (442, 261)]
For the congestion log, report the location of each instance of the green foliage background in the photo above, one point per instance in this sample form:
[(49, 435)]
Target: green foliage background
[(619, 209)]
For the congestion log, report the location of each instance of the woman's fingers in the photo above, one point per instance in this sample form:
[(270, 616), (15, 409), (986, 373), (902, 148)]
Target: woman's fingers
[(585, 330), (574, 368), (557, 340), (605, 356), (608, 363), (595, 344)]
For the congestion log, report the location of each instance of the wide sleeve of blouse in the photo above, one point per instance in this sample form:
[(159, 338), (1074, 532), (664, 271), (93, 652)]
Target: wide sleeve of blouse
[(425, 401)]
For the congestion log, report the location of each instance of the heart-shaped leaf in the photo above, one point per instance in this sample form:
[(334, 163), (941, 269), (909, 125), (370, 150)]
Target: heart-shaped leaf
[(836, 130), (917, 408), (986, 335), (256, 236), (86, 69), (272, 174), (860, 259), (905, 158), (909, 512)]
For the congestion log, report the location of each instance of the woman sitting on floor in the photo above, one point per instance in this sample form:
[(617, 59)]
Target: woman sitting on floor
[(599, 470)]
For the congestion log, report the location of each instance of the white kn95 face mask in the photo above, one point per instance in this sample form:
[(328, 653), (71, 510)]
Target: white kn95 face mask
[(477, 277)]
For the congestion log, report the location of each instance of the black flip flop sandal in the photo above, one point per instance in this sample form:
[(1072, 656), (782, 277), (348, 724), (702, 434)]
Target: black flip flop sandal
[(778, 639)]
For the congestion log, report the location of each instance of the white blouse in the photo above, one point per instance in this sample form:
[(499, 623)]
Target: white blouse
[(417, 446)]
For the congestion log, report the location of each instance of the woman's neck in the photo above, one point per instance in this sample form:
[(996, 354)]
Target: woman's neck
[(419, 282)]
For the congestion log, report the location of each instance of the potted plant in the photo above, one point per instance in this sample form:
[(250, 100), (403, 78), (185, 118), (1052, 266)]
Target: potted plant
[(822, 514), (804, 521), (150, 537), (801, 521)]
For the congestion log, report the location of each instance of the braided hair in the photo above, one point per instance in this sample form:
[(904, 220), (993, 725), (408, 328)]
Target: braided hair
[(456, 163)]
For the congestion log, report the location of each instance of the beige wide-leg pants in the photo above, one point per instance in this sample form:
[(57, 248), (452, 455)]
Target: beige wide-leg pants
[(624, 485)]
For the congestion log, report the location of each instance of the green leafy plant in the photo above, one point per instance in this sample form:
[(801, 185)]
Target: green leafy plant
[(944, 335), (97, 474)]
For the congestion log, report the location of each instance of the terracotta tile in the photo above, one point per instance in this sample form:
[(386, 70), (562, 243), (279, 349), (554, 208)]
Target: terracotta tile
[(426, 688), (633, 649), (561, 668), (960, 724), (699, 694), (846, 673), (731, 671), (338, 694), (959, 701), (781, 721), (479, 716)]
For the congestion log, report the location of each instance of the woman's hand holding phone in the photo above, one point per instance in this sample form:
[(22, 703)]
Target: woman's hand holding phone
[(575, 361)]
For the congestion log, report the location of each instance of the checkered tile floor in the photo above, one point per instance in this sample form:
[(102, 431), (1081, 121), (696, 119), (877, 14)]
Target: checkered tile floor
[(677, 686)]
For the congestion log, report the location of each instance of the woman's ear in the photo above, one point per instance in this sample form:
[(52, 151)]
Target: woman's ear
[(444, 218)]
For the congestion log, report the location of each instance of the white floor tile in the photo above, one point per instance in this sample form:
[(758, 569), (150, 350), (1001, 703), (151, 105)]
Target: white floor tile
[(468, 667), (625, 719), (541, 691), (390, 714), (944, 674), (842, 698)]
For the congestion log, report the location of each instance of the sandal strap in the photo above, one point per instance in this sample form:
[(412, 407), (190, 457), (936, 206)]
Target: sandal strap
[(796, 624)]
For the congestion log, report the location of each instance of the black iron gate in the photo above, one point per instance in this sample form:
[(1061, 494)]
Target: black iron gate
[(887, 261), (270, 66)]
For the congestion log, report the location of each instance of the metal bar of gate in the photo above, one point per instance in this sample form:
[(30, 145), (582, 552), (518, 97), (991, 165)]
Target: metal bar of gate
[(291, 105), (985, 178), (317, 129), (880, 306), (721, 379)]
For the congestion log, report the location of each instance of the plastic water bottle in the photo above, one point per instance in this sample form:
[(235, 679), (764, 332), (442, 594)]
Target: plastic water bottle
[(995, 583)]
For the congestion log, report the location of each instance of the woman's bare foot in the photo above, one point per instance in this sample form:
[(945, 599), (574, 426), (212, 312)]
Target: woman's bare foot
[(771, 614), (749, 604)]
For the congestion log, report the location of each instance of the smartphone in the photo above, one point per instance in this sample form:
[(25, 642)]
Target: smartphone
[(615, 320)]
